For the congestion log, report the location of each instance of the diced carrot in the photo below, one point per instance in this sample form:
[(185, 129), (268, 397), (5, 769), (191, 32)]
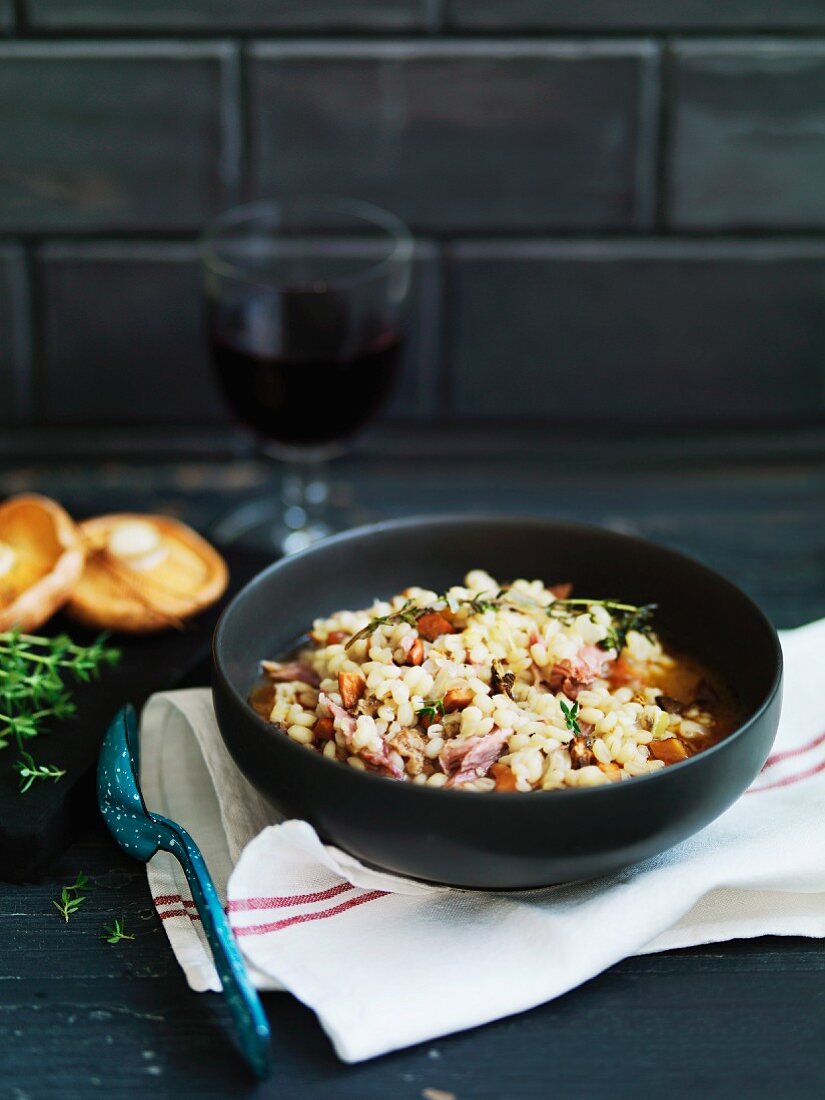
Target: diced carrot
[(352, 686), (324, 729), (432, 625), (505, 780), (671, 750), (623, 672), (415, 656), (333, 638), (457, 699), (561, 591)]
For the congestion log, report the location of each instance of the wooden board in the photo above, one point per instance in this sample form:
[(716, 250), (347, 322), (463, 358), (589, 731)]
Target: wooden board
[(37, 826)]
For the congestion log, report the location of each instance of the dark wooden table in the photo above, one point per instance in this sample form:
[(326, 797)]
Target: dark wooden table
[(79, 1017)]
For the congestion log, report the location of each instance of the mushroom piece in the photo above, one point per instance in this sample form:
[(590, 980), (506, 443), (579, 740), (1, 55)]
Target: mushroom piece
[(144, 574), (41, 559)]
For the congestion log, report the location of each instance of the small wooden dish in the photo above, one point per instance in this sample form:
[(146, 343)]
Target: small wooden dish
[(144, 574), (41, 559)]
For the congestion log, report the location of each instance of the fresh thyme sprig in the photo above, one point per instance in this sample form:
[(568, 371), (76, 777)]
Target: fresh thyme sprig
[(33, 671), (432, 710), (409, 613), (481, 603), (115, 932), (29, 771), (71, 898), (624, 617), (571, 716)]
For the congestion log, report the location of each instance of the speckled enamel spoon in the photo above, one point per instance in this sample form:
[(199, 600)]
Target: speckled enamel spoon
[(141, 834)]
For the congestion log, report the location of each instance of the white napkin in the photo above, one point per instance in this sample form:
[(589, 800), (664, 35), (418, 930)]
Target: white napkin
[(386, 962)]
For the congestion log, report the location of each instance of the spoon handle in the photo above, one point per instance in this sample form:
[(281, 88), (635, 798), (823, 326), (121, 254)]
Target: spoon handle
[(251, 1024)]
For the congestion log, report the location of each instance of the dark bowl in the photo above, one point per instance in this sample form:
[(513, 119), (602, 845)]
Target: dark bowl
[(497, 840)]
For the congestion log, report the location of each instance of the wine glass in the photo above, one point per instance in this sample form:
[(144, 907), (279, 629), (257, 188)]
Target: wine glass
[(306, 309)]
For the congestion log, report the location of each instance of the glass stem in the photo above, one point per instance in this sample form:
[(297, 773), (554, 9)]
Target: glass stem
[(305, 499)]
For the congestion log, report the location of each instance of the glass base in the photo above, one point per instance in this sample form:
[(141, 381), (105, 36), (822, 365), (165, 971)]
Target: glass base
[(266, 525)]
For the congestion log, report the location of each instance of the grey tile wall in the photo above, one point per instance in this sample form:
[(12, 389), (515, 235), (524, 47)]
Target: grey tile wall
[(636, 15), (123, 335), (562, 176), (204, 15), (458, 137), (748, 135), (114, 136), (14, 336), (650, 333), (124, 339)]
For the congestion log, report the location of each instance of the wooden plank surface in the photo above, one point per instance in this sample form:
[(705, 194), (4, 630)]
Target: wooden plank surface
[(79, 1017)]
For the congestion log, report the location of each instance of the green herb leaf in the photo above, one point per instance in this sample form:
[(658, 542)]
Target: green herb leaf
[(409, 613), (624, 617), (432, 709), (29, 771), (71, 898), (570, 716), (116, 932), (33, 671)]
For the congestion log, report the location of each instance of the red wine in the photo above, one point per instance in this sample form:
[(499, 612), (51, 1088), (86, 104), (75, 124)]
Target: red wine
[(307, 402)]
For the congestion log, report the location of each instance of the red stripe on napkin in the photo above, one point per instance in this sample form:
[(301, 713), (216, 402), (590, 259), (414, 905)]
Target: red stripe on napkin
[(244, 905), (172, 899), (789, 779), (300, 918), (788, 753)]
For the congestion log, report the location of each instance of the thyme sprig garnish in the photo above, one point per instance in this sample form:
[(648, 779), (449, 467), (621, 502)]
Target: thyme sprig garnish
[(115, 932), (33, 674), (571, 716), (70, 897), (481, 603), (409, 613), (624, 617), (29, 771), (431, 710)]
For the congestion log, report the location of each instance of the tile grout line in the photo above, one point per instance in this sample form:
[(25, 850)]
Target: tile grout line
[(30, 380)]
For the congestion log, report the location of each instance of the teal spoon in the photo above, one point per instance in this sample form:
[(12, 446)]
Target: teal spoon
[(141, 834)]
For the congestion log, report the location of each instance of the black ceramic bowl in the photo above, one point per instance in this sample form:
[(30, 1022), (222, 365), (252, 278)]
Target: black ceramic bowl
[(497, 840)]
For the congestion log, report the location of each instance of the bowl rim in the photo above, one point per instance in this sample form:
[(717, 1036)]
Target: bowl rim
[(506, 798)]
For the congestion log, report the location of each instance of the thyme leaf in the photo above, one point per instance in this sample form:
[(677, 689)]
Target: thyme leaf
[(409, 613), (115, 932), (432, 710), (33, 671), (624, 617), (71, 898), (29, 771), (571, 716)]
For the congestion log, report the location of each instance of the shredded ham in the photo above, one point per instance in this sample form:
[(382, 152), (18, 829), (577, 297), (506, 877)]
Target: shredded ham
[(579, 672), (346, 724), (468, 758), (283, 672)]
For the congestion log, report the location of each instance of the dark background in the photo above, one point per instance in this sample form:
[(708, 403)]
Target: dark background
[(619, 205)]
